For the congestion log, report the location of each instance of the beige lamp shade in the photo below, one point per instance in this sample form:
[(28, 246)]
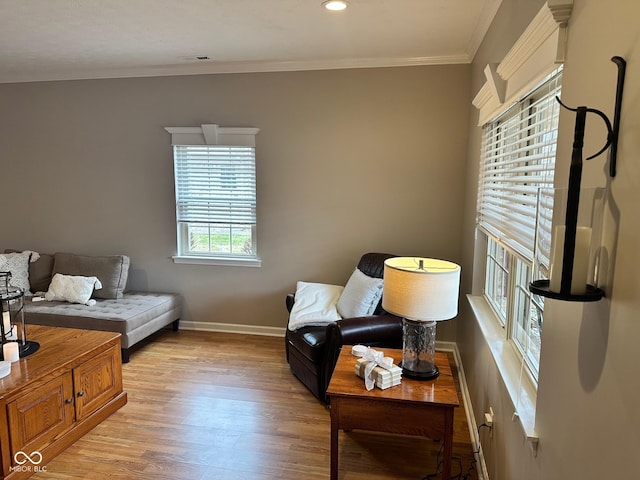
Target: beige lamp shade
[(421, 289)]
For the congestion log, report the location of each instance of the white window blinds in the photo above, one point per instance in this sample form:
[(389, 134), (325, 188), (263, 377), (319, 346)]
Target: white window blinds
[(215, 184), (518, 159)]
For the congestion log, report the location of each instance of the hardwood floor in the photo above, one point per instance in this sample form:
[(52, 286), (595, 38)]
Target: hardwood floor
[(225, 406)]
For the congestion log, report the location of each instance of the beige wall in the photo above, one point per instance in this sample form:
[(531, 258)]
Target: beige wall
[(588, 395), (348, 161)]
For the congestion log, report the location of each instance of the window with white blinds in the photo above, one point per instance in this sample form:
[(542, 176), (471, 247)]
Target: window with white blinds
[(215, 184), (518, 159), (515, 206), (215, 192)]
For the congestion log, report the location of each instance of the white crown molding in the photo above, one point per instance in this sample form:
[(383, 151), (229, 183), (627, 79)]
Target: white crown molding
[(540, 48), (207, 68)]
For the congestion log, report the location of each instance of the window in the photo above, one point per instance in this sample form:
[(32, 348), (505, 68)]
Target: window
[(514, 211), (215, 191)]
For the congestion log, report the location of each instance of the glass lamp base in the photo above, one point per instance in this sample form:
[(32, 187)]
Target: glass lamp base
[(429, 374), (419, 350)]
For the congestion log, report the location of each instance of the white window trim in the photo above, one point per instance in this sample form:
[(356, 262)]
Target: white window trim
[(211, 134), (228, 262), (535, 54)]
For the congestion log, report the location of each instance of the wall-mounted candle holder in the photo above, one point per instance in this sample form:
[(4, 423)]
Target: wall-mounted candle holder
[(572, 257)]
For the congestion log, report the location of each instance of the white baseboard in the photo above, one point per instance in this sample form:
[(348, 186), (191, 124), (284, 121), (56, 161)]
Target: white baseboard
[(233, 328), (483, 474)]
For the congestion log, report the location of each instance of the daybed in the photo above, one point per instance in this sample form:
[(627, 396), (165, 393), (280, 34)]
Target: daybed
[(135, 315)]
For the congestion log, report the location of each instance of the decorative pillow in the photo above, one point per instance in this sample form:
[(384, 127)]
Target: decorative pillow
[(361, 295), (18, 265), (74, 289), (112, 270), (315, 305), (39, 271)]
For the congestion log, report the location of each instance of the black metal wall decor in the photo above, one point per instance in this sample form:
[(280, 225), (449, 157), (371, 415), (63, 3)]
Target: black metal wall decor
[(590, 292)]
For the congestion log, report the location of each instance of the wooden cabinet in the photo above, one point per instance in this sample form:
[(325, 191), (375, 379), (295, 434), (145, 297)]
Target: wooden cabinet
[(96, 382), (37, 418), (56, 395)]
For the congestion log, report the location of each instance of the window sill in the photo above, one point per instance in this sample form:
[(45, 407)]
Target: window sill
[(227, 262), (521, 390)]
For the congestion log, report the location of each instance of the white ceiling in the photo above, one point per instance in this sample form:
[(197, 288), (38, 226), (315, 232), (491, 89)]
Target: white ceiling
[(73, 39)]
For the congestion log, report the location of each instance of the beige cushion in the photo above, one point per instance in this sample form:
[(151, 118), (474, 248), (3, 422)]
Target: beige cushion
[(136, 315), (111, 270)]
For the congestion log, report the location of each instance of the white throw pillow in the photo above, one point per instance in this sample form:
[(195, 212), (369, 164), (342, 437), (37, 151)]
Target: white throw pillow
[(18, 265), (361, 295), (315, 304), (72, 288)]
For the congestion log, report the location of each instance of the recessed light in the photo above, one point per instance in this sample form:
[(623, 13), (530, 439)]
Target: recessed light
[(335, 5)]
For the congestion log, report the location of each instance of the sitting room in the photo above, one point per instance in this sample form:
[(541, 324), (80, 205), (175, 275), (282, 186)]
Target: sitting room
[(213, 165)]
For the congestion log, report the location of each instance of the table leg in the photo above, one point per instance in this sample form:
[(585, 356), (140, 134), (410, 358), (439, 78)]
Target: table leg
[(448, 444), (334, 440)]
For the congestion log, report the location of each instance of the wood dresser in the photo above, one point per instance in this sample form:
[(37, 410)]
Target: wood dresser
[(56, 395)]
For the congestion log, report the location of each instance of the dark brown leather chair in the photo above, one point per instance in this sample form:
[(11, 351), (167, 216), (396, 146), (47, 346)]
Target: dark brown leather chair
[(312, 351)]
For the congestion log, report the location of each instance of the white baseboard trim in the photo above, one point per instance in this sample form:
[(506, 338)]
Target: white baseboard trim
[(233, 328), (483, 474)]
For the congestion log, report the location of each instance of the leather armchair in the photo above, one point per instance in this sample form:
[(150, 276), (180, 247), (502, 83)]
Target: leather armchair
[(312, 351)]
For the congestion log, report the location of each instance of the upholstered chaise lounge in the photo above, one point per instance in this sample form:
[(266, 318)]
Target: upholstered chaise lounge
[(135, 315)]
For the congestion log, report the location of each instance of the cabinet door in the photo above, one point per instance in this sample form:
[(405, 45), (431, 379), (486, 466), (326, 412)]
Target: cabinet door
[(38, 417), (97, 381)]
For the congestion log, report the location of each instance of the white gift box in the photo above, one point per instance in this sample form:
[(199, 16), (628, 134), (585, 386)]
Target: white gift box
[(383, 378)]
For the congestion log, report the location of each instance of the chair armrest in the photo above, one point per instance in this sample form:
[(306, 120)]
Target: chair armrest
[(290, 300), (375, 330)]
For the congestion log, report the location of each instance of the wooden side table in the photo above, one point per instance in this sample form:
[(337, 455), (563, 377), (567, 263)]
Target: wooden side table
[(420, 408)]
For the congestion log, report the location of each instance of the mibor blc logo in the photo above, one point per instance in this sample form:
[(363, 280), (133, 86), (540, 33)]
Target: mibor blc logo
[(28, 462)]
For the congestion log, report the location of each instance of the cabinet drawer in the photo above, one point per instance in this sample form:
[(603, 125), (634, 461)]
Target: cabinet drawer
[(97, 381), (36, 419)]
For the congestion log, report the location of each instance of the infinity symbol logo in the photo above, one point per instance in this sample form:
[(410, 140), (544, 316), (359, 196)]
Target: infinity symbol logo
[(35, 458)]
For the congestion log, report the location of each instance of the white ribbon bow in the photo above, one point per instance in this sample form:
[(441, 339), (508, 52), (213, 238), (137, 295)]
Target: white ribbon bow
[(374, 358)]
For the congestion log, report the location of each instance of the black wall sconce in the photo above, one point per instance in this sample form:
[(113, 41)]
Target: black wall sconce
[(570, 260)]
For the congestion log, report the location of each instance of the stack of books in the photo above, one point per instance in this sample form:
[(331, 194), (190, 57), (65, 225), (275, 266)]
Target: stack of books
[(382, 377)]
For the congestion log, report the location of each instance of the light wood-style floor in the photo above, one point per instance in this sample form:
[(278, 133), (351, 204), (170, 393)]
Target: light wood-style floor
[(225, 406)]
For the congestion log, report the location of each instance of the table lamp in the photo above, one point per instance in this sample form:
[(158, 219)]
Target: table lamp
[(422, 291)]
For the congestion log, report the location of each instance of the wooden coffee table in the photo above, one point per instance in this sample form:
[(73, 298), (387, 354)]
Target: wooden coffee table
[(421, 408)]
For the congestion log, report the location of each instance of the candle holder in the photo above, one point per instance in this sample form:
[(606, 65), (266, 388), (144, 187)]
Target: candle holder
[(549, 257), (572, 262), (12, 326)]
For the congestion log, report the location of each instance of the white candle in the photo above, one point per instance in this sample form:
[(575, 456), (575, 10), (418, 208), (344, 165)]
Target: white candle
[(580, 260), (11, 352), (9, 330), (6, 322)]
